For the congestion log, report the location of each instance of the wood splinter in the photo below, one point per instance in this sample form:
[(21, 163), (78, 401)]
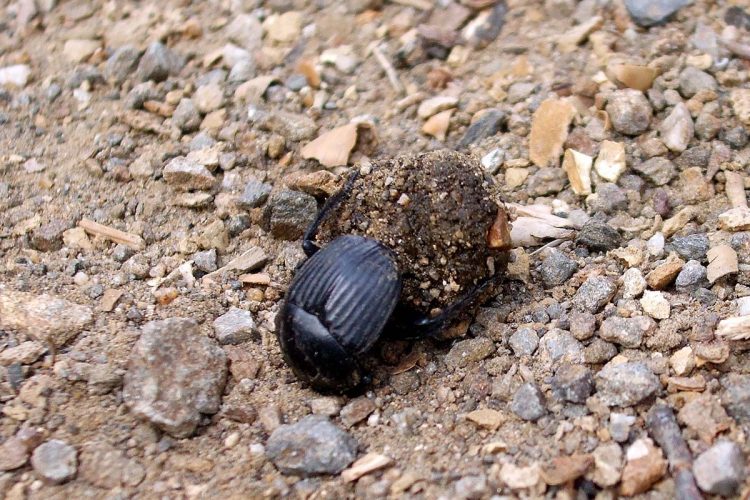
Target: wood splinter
[(130, 240)]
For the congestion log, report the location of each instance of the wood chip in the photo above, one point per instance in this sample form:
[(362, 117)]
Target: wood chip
[(109, 299), (130, 240), (578, 167), (722, 260), (549, 130), (320, 183), (365, 465), (735, 189), (332, 149), (487, 418), (633, 76), (307, 68), (250, 260), (437, 125), (255, 279), (734, 328)]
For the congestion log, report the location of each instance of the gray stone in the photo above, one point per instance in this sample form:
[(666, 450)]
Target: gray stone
[(356, 411), (609, 198), (201, 141), (524, 341), (619, 426), (139, 94), (652, 12), (121, 253), (490, 123), (720, 470), (187, 175), (598, 236), (691, 247), (255, 194), (598, 352), (13, 454), (186, 116), (174, 375), (693, 80), (242, 71), (311, 446), (573, 383), (291, 212), (471, 487), (159, 62), (56, 461), (546, 181), (633, 283), (528, 402), (582, 325), (628, 332), (659, 171), (121, 64), (707, 126), (594, 294), (206, 261), (519, 91), (293, 127), (557, 268), (208, 98), (736, 396), (49, 237), (629, 111), (626, 384), (469, 351), (692, 276), (558, 346), (736, 137), (102, 379), (246, 31), (234, 327)]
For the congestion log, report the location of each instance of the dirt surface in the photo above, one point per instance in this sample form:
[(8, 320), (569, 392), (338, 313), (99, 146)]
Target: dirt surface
[(151, 168)]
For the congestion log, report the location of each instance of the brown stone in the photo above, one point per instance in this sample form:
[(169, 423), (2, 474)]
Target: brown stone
[(562, 470), (645, 466), (664, 274)]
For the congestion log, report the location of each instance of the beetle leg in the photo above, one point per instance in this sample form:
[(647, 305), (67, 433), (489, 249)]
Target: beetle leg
[(407, 323), (308, 243)]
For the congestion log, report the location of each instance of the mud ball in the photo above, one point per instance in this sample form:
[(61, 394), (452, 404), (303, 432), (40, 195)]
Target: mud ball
[(434, 211)]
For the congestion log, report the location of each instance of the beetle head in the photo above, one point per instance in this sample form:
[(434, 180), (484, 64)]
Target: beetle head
[(314, 354)]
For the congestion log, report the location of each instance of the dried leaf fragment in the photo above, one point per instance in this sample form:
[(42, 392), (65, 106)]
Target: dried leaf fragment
[(722, 260), (737, 328), (437, 125), (634, 76), (332, 149), (578, 167)]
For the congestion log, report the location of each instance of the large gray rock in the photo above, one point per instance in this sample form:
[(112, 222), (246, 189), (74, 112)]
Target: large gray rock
[(43, 317), (628, 332), (721, 469), (56, 461), (174, 375), (159, 62), (594, 294), (626, 384), (311, 446), (629, 111)]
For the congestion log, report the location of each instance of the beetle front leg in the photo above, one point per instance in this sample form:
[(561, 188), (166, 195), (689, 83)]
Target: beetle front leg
[(407, 323), (308, 243)]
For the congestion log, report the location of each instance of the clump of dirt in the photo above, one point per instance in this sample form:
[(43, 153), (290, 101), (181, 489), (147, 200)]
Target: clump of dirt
[(434, 210)]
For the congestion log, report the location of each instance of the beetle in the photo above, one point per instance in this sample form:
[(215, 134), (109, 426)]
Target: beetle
[(342, 300)]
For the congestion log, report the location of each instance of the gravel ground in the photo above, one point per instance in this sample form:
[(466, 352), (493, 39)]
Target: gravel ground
[(159, 162)]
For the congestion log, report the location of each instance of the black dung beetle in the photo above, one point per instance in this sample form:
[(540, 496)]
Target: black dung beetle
[(343, 298)]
